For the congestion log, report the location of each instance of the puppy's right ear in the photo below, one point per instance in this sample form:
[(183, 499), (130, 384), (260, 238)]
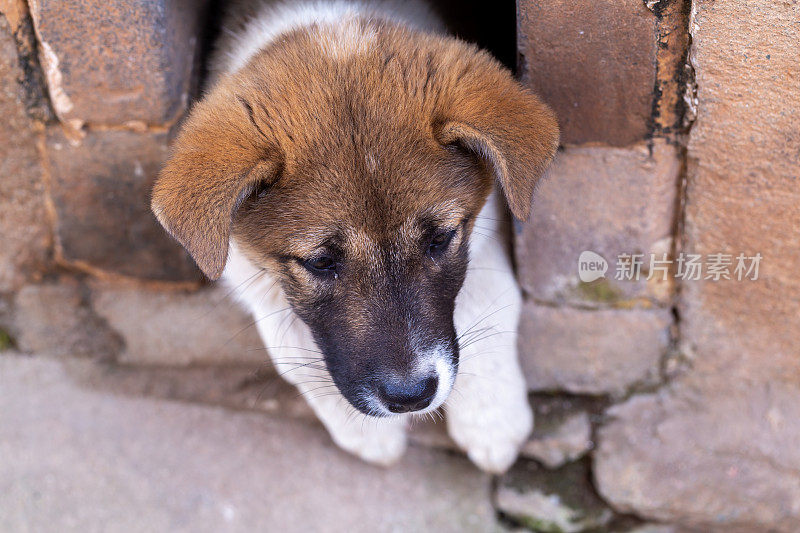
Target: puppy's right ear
[(218, 158)]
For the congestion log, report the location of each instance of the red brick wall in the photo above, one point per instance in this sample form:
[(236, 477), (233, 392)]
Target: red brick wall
[(118, 76)]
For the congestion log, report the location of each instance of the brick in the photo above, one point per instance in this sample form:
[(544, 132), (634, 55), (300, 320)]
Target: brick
[(594, 62), (591, 351), (23, 221), (544, 500), (555, 443), (120, 60), (707, 452), (606, 200), (180, 328), (562, 431), (14, 11), (742, 189), (100, 190), (717, 449), (73, 458), (31, 77), (55, 319)]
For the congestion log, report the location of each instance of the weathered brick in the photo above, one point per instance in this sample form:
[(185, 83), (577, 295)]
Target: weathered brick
[(594, 62), (743, 188), (545, 500), (31, 78), (177, 328), (710, 452), (100, 189), (591, 351), (116, 61), (55, 319), (557, 442), (14, 11), (718, 449), (606, 200), (23, 221)]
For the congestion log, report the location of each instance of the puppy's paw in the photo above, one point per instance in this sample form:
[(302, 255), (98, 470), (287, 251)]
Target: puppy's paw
[(380, 442), (493, 454), (491, 430)]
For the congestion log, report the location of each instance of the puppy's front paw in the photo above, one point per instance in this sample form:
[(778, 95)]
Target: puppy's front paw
[(490, 425), (378, 441)]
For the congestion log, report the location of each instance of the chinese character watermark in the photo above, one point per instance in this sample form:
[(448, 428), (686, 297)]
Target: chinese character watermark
[(752, 263), (629, 267), (685, 267)]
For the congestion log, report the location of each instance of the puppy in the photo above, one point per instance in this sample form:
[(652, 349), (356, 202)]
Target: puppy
[(345, 174)]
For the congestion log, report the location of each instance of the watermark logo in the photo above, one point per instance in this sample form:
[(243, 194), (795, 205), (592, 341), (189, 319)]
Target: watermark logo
[(591, 266), (686, 267)]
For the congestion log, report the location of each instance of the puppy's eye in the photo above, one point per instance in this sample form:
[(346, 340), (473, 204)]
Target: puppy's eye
[(440, 241), (321, 265)]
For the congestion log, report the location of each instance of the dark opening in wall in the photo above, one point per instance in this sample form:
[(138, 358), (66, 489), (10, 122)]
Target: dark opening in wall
[(215, 10), (490, 25)]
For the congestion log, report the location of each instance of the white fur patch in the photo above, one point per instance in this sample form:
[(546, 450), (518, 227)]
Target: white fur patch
[(345, 38), (436, 360), (372, 162), (257, 24), (444, 371), (488, 414)]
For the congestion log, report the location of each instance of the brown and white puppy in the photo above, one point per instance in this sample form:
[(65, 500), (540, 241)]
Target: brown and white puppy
[(339, 174)]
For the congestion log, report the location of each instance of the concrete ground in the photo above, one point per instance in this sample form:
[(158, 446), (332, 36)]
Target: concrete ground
[(81, 458)]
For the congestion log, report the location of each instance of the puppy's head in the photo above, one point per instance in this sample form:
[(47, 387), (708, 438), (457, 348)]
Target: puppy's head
[(355, 178)]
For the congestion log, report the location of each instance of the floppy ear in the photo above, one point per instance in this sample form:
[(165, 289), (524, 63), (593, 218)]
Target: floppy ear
[(491, 115), (216, 161)]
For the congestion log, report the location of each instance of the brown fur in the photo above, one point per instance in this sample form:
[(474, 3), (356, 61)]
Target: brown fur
[(360, 142)]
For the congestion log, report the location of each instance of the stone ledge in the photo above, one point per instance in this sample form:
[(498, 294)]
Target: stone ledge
[(179, 328), (592, 352), (80, 460)]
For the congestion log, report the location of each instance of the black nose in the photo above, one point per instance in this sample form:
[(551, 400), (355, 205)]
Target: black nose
[(404, 397)]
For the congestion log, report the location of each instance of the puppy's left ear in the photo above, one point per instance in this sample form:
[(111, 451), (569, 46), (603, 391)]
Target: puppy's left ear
[(490, 114)]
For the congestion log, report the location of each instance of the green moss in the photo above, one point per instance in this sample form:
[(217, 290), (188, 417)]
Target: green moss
[(540, 526), (600, 291), (5, 341), (573, 504)]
